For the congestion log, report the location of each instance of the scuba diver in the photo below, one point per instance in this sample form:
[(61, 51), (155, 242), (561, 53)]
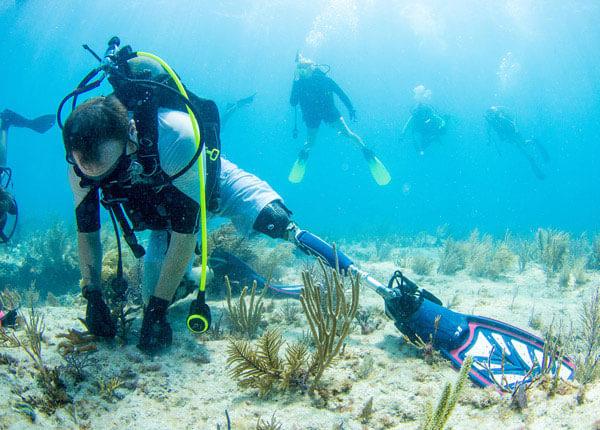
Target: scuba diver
[(103, 143), (8, 204), (232, 108), (148, 168), (313, 90), (500, 120), (425, 121)]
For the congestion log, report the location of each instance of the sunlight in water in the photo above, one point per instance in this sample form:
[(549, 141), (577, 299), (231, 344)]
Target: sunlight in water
[(338, 15)]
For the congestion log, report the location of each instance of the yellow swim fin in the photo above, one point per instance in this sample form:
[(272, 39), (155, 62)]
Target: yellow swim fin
[(378, 170), (298, 169)]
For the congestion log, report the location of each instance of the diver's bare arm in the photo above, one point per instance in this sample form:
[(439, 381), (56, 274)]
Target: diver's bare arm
[(181, 249), (90, 259)]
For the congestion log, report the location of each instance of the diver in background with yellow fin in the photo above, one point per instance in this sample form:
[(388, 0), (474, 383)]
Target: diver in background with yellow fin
[(314, 90)]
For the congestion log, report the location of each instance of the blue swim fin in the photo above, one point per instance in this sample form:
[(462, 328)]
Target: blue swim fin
[(503, 355), (224, 263)]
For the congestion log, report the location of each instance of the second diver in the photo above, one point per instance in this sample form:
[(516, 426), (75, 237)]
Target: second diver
[(314, 90)]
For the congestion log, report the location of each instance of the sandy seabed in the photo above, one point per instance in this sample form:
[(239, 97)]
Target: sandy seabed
[(189, 387)]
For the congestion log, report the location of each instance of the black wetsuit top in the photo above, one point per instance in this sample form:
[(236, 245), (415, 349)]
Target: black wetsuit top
[(426, 120), (315, 95)]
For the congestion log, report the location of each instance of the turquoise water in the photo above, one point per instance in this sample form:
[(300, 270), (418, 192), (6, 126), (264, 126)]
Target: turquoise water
[(378, 52)]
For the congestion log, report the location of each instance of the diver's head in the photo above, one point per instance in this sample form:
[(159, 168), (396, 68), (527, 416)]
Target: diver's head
[(421, 94), (98, 136), (305, 67)]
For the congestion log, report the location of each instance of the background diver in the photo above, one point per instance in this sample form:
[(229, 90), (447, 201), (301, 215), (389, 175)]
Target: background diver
[(502, 123), (314, 90), (8, 204), (424, 121)]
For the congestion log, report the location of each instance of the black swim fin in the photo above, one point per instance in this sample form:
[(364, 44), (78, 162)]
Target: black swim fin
[(504, 356), (40, 124), (224, 263)]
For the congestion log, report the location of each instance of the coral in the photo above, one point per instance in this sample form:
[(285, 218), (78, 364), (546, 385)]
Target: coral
[(525, 251), (246, 317), (262, 367), (227, 239), (270, 262), (50, 261), (452, 258), (430, 354), (107, 387), (578, 271), (52, 300), (76, 341), (564, 277), (75, 351), (365, 368), (290, 311), (436, 420), (485, 258), (27, 410), (588, 368), (122, 308), (10, 299), (329, 326), (422, 265), (55, 394), (367, 412), (535, 320), (367, 321), (401, 259), (6, 359), (594, 257), (216, 331), (553, 249), (273, 424)]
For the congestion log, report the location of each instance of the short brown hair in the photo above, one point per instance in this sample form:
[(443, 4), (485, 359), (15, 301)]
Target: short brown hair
[(97, 120)]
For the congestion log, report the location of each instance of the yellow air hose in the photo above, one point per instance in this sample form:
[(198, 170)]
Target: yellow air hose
[(203, 229)]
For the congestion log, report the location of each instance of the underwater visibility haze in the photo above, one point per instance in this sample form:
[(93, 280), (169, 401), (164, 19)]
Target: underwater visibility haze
[(466, 157)]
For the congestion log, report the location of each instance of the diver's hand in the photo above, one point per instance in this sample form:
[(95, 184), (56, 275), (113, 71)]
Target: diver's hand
[(352, 115), (97, 315)]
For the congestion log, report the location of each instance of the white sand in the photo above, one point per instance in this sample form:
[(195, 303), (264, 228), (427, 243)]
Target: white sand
[(189, 386)]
